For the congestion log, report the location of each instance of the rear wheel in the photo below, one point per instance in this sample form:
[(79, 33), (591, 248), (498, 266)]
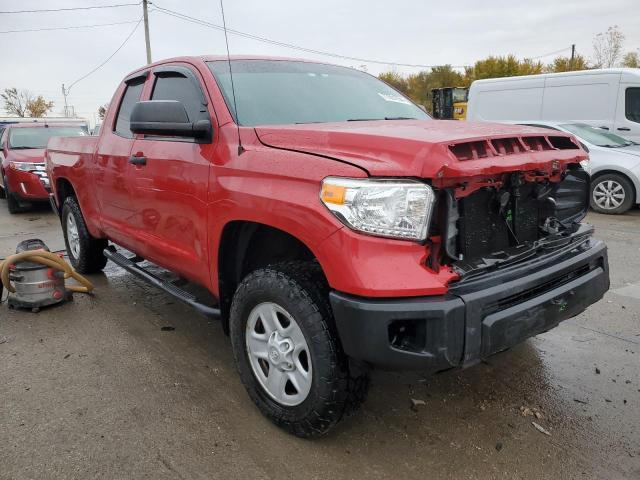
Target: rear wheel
[(287, 351), (84, 251), (611, 193)]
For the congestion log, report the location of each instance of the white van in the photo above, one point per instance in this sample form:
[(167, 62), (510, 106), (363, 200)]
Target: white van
[(607, 98)]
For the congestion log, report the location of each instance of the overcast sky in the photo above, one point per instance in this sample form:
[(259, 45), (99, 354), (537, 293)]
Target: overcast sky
[(405, 31)]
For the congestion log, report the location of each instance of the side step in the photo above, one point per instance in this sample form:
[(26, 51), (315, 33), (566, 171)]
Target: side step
[(129, 265)]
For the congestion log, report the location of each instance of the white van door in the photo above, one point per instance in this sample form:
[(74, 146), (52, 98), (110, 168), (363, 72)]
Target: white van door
[(587, 97), (627, 123)]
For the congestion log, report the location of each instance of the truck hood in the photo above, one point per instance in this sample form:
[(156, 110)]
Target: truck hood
[(421, 148), (35, 155)]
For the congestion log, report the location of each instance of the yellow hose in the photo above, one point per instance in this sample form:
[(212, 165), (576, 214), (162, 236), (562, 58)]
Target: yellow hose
[(45, 258)]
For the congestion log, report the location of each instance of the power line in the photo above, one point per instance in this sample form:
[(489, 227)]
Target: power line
[(204, 23), (71, 8), (69, 28), (108, 58), (549, 54)]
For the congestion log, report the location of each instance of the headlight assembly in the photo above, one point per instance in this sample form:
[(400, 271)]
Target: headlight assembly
[(383, 207)]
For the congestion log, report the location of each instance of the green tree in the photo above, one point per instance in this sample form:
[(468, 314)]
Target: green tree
[(502, 66), (631, 60), (564, 64), (396, 80)]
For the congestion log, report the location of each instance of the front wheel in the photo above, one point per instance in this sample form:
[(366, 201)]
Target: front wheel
[(84, 251), (611, 193), (13, 202), (287, 351)]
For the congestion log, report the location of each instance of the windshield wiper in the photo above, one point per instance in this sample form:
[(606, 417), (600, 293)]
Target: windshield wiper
[(24, 148), (379, 119)]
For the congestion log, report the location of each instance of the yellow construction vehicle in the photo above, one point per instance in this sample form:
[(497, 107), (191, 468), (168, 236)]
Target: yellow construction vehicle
[(450, 103)]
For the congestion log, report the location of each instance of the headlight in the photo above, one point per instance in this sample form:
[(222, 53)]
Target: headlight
[(586, 166), (387, 208), (28, 166)]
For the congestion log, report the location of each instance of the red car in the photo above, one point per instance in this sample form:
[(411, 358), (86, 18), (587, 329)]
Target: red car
[(23, 176), (335, 223)]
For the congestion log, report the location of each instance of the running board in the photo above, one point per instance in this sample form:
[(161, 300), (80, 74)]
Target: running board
[(129, 265)]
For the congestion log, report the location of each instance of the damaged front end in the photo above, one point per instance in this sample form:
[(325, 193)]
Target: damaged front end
[(501, 221)]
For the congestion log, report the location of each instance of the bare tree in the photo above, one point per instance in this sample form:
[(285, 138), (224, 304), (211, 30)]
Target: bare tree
[(607, 48), (16, 101), (102, 111)]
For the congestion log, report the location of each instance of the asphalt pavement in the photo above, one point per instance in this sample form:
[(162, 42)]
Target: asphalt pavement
[(96, 388)]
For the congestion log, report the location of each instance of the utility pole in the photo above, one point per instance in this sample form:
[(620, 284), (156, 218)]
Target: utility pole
[(65, 92), (145, 14), (573, 56)]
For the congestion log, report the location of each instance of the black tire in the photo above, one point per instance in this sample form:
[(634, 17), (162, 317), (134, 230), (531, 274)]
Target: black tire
[(3, 189), (13, 202), (337, 387), (89, 257), (600, 184)]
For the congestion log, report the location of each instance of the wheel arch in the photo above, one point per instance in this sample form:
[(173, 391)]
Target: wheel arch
[(246, 246)]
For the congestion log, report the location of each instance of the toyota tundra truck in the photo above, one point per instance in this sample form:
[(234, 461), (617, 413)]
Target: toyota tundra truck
[(336, 225)]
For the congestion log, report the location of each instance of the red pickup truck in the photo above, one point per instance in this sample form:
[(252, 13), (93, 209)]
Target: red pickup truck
[(338, 226)]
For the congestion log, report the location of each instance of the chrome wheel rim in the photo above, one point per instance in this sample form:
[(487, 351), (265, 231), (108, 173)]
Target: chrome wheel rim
[(72, 236), (609, 194), (278, 354)]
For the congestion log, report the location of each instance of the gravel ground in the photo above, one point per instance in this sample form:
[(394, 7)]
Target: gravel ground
[(95, 389)]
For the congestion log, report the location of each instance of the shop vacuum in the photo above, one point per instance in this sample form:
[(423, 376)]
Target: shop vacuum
[(35, 277)]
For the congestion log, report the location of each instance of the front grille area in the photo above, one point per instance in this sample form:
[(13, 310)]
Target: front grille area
[(495, 219)]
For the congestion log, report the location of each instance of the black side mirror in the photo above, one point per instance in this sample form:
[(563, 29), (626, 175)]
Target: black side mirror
[(167, 118)]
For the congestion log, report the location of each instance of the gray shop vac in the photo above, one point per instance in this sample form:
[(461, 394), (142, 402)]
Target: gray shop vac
[(35, 277)]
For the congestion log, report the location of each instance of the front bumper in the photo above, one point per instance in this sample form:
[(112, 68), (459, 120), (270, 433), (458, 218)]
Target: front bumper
[(28, 185), (474, 319)]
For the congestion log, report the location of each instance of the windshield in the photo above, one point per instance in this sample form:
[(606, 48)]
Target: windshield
[(37, 137), (596, 136), (272, 92)]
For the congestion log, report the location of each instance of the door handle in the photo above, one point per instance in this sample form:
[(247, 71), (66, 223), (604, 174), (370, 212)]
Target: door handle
[(624, 129), (604, 128), (134, 160)]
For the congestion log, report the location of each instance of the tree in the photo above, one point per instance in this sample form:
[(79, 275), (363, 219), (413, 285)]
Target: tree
[(564, 64), (102, 111), (15, 102), (396, 80), (509, 66), (22, 103), (39, 107), (631, 60), (607, 48)]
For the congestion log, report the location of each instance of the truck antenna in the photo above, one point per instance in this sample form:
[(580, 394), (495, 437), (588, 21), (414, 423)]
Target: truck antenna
[(233, 90)]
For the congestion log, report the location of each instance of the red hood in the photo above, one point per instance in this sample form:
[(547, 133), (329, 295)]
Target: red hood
[(419, 148), (35, 155)]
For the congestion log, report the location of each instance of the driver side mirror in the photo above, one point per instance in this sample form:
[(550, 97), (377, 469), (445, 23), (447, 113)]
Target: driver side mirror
[(167, 118)]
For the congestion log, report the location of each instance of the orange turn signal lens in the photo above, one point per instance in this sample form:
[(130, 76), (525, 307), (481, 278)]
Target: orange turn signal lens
[(333, 194)]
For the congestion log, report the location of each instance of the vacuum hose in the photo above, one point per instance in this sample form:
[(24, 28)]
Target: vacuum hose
[(45, 258)]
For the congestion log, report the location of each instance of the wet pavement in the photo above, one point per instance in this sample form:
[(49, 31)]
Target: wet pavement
[(95, 389)]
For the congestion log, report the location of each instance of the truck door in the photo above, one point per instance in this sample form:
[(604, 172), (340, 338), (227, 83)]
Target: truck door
[(628, 112), (112, 166), (169, 186)]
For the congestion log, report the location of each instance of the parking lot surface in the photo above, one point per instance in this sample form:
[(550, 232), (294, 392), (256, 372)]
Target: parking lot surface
[(96, 389)]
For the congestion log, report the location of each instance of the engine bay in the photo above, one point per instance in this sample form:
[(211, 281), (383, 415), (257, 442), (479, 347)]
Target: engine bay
[(513, 220)]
